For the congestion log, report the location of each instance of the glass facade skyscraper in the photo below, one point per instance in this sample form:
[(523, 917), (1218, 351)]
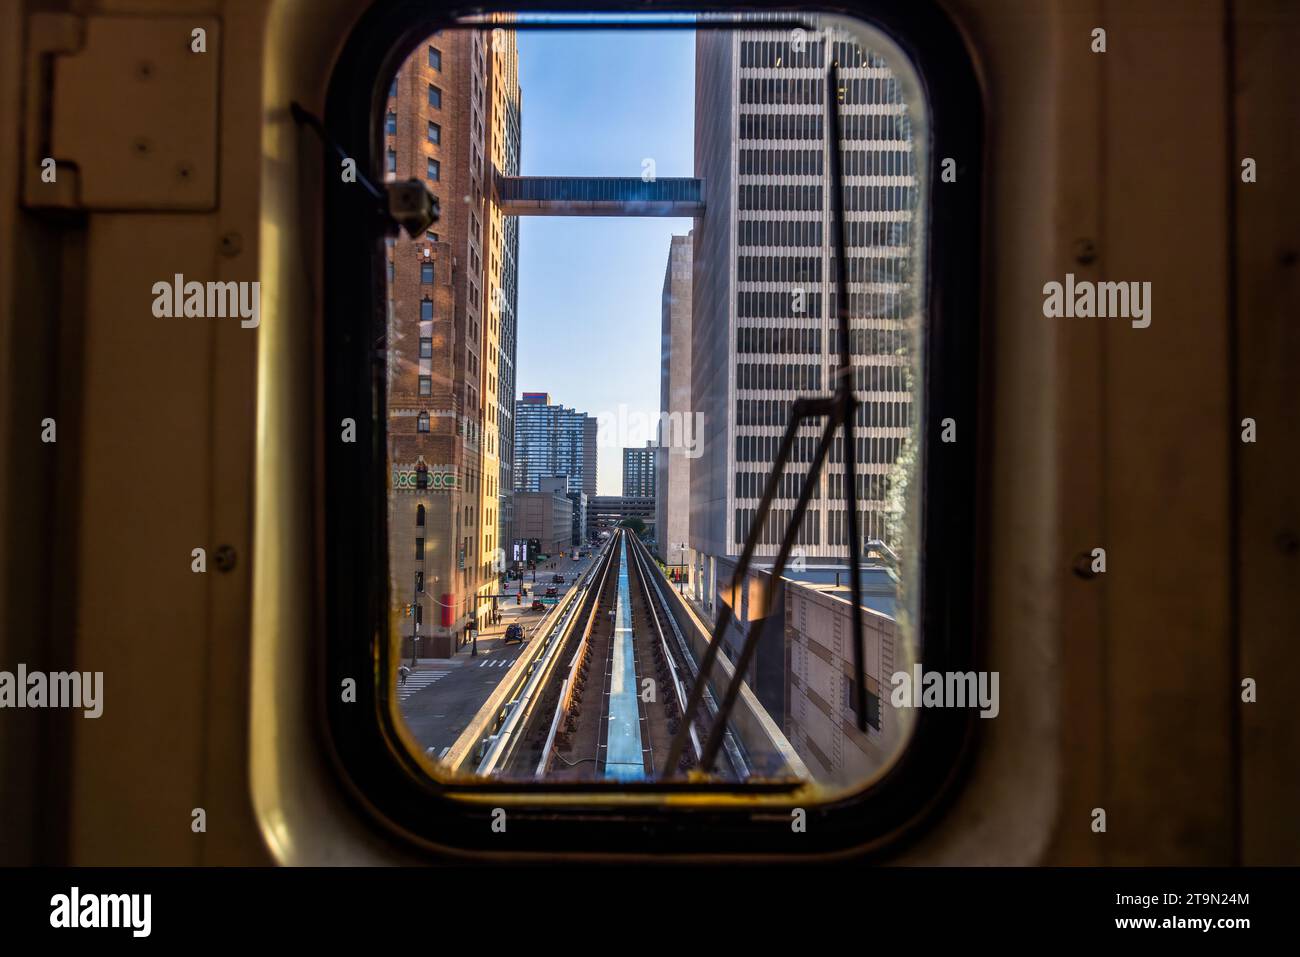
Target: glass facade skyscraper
[(553, 440)]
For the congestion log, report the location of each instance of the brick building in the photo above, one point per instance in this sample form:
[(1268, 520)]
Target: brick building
[(452, 115)]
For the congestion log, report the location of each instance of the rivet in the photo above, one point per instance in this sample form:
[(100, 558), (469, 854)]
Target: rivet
[(1083, 565), (231, 244), (1085, 251), (225, 558)]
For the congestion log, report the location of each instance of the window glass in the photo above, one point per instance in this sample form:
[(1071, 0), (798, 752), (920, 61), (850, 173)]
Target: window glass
[(674, 309)]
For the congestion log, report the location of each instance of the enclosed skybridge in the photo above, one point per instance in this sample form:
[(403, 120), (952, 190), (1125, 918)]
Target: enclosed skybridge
[(599, 196)]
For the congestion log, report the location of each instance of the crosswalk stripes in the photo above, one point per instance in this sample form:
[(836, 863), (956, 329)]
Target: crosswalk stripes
[(419, 680), (500, 663)]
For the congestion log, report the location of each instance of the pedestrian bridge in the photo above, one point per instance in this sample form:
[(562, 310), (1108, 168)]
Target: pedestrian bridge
[(599, 196)]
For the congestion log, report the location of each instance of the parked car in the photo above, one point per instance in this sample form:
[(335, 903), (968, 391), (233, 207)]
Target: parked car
[(514, 632)]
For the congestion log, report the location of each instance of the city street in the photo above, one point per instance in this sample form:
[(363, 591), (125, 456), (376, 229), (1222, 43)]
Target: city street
[(443, 694)]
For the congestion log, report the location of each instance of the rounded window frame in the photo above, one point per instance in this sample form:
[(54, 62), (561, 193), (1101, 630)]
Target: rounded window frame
[(595, 819)]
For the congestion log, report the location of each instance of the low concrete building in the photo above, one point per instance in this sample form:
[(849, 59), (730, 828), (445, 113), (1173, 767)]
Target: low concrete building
[(803, 670), (545, 516), (821, 687), (559, 485)]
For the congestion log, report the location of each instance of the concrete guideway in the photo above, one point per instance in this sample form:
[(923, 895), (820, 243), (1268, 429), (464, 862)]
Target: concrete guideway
[(623, 757)]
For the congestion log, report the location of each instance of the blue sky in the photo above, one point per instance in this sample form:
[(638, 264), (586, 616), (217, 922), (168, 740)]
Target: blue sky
[(596, 103)]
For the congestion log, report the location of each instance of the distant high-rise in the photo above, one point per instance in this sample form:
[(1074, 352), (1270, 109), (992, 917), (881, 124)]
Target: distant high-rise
[(639, 471), (764, 317), (553, 440), (677, 436)]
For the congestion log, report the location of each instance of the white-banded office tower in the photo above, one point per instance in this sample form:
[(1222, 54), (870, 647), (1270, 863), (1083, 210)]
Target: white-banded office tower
[(764, 316)]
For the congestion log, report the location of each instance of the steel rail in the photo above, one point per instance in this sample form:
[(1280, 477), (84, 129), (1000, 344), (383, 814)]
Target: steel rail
[(656, 610), (503, 742), (566, 691)]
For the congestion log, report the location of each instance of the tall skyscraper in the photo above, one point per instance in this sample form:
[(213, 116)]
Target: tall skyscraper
[(553, 440), (678, 425), (639, 471), (763, 329), (452, 115), (504, 113)]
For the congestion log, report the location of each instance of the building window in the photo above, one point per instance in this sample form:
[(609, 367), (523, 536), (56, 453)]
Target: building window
[(422, 425), (434, 170), (390, 271), (391, 123), (435, 133), (426, 277), (435, 58), (392, 90), (419, 549), (392, 161), (419, 509), (426, 385), (431, 236), (426, 345), (435, 96)]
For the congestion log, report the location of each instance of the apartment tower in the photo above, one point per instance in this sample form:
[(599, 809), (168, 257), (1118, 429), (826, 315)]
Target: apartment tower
[(553, 440)]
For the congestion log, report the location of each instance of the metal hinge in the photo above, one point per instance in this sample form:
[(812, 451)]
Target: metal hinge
[(121, 112)]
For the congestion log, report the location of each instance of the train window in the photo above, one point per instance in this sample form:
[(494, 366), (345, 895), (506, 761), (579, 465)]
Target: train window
[(672, 319)]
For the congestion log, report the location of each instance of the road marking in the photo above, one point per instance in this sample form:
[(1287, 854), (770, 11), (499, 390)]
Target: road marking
[(419, 680)]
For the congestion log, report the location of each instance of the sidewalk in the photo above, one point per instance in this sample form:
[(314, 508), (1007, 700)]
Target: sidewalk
[(489, 639)]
